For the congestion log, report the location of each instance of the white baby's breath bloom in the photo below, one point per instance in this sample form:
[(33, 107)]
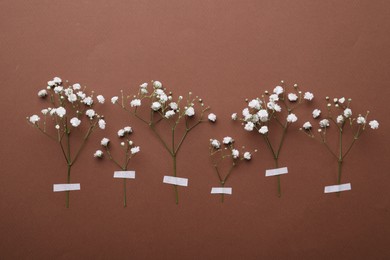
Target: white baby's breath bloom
[(247, 156), (254, 103), (98, 154), (291, 118), (157, 84), (128, 129), (58, 89), (42, 93), (347, 112), (156, 106), (342, 100), (212, 117), (121, 132), (159, 92), (307, 125), (57, 80), (76, 86), (52, 111), (72, 98), (102, 124), (81, 94), (104, 141), (340, 119), (190, 111), (44, 111), (144, 91), (263, 130), (57, 127), (292, 97), (263, 115), (51, 83), (34, 119), (273, 98), (235, 153), (122, 143), (278, 90), (215, 143), (316, 113), (308, 96), (249, 126), (274, 106), (101, 99), (234, 116), (143, 85), (361, 120), (374, 124), (324, 123), (90, 113), (245, 112), (135, 103), (75, 122), (227, 140), (163, 98), (173, 105), (88, 101), (60, 111), (114, 99), (135, 150), (169, 113)]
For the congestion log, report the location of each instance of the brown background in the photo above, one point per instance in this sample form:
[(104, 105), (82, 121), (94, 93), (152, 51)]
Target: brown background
[(223, 51)]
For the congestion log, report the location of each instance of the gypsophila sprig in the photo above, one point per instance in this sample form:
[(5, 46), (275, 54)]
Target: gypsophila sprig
[(279, 107), (163, 106), (129, 149), (70, 109), (227, 152), (340, 117)]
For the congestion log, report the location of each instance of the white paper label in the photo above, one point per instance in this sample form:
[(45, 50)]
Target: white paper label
[(175, 180), (220, 190), (277, 171), (337, 188), (124, 174), (66, 187)]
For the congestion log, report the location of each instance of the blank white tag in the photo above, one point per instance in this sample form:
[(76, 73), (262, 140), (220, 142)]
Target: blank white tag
[(124, 174), (175, 180), (66, 187), (224, 190), (277, 171), (337, 188)]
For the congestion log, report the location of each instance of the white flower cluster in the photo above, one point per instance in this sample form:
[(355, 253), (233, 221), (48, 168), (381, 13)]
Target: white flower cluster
[(215, 146)]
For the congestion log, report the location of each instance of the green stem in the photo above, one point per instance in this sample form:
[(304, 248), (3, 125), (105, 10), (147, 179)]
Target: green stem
[(340, 161), (69, 163), (67, 192), (278, 177), (174, 174)]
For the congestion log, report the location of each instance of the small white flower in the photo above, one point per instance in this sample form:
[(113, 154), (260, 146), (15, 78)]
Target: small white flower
[(58, 89), (308, 96), (76, 86), (88, 101), (51, 83), (128, 129), (144, 91), (169, 113), (307, 125), (60, 111), (263, 130), (324, 123), (291, 118), (135, 150), (159, 92), (247, 156), (52, 111), (90, 113), (340, 119), (245, 112), (81, 94), (122, 143), (278, 90), (34, 119), (42, 93), (75, 122), (130, 142), (361, 120), (263, 115), (374, 124), (102, 124), (98, 154), (335, 100), (173, 106), (121, 132), (227, 140), (316, 113), (273, 98), (234, 116), (235, 153), (157, 84), (72, 98), (57, 127), (156, 106), (114, 99), (190, 111), (274, 106), (212, 117), (249, 126), (143, 85), (347, 112), (135, 103), (163, 98), (44, 111), (342, 100), (104, 141), (254, 103), (215, 143), (101, 99), (57, 80), (292, 97)]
